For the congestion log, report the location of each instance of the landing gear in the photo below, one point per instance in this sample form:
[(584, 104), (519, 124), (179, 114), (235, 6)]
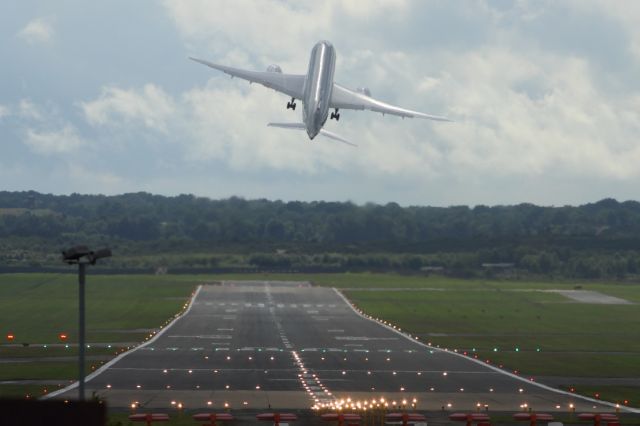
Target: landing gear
[(335, 115), (292, 104)]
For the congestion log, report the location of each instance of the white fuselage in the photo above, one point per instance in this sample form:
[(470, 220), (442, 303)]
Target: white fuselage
[(317, 87)]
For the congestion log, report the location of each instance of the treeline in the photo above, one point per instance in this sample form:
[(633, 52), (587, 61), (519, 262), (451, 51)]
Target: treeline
[(594, 240)]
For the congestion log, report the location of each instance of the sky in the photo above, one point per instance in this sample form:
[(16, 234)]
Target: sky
[(99, 97)]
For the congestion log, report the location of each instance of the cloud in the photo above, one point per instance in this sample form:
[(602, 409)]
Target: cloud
[(4, 111), (54, 142), (544, 96), (536, 114), (519, 111), (27, 109), (38, 30), (150, 106)]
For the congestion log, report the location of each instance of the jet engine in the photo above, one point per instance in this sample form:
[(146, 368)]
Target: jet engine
[(364, 90), (274, 68)]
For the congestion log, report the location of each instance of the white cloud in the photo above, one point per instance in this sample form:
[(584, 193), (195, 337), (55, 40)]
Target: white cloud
[(54, 142), (28, 109), (4, 111), (282, 30), (39, 30), (150, 106), (539, 91), (520, 112), (564, 124)]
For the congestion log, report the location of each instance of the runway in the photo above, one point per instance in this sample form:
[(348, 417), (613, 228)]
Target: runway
[(257, 344)]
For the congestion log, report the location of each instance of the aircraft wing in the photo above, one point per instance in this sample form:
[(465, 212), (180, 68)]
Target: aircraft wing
[(289, 84), (341, 97)]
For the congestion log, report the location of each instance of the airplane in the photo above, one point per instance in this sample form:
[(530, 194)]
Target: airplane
[(318, 92)]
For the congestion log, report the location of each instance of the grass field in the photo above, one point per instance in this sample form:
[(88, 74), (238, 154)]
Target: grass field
[(36, 308), (537, 333)]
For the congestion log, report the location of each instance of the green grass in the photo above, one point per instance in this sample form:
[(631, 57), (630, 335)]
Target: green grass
[(42, 370), (36, 308), (617, 394), (52, 351), (21, 391), (572, 338)]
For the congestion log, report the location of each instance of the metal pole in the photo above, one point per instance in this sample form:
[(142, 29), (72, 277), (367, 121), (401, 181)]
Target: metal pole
[(81, 344)]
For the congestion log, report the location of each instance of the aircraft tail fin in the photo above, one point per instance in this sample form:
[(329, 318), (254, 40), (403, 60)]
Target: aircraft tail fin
[(323, 132)]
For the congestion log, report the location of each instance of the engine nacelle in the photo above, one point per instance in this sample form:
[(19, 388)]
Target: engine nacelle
[(364, 90), (274, 68)]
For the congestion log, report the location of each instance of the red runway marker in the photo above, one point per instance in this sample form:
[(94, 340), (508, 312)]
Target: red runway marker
[(149, 418), (213, 417), (532, 418)]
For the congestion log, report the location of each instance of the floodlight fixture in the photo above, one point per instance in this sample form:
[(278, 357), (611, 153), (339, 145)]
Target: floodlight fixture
[(82, 254), (74, 254)]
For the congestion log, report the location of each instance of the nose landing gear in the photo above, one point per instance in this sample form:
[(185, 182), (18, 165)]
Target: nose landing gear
[(292, 104), (335, 115)]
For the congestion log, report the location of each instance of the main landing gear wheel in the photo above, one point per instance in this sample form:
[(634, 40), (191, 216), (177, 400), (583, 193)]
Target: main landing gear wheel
[(335, 115), (292, 104)]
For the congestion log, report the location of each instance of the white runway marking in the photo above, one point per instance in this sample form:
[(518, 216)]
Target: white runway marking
[(364, 338), (210, 336)]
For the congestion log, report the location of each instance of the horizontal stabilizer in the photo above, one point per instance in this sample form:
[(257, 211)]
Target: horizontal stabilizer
[(323, 132), (288, 125), (335, 137)]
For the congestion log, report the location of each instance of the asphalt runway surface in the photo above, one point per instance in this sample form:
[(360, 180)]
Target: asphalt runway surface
[(257, 344)]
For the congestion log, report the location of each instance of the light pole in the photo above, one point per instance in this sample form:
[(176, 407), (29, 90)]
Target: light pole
[(82, 256)]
